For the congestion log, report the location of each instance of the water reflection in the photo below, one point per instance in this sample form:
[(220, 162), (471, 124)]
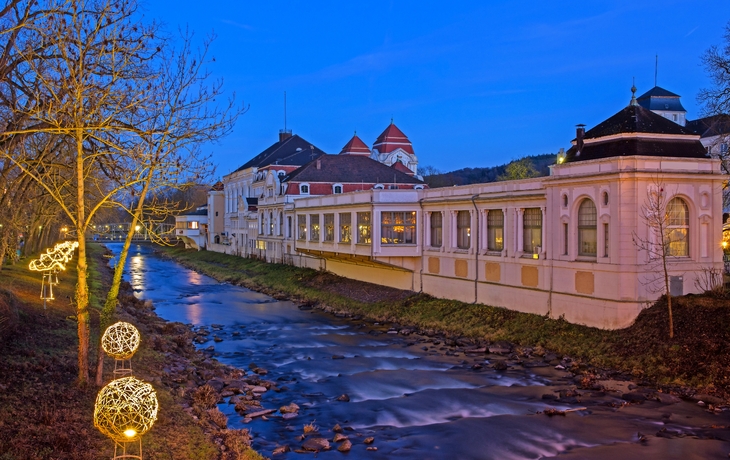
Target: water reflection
[(418, 404)]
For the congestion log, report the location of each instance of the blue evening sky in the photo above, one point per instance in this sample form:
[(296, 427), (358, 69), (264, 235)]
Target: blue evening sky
[(471, 83)]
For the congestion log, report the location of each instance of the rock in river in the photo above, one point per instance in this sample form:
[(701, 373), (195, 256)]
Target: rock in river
[(316, 444)]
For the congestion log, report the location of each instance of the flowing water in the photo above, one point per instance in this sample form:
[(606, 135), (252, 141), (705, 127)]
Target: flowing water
[(417, 398)]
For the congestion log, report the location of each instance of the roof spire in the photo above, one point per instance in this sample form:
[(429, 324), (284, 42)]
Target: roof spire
[(633, 93), (391, 120)]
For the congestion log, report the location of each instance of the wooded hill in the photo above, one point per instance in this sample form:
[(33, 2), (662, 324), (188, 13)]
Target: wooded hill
[(465, 176)]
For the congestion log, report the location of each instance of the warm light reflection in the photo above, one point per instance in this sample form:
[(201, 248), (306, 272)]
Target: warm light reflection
[(130, 433)]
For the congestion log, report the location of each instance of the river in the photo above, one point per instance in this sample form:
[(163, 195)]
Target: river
[(417, 397)]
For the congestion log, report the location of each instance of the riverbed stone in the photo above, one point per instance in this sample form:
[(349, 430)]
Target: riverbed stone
[(345, 446), (316, 444), (343, 398), (260, 413), (368, 440), (290, 415), (281, 450), (339, 437), (259, 389), (289, 409)]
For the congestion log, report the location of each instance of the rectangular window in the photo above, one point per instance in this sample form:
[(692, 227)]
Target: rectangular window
[(495, 230), (437, 220), (288, 227), (345, 227), (363, 228), (605, 240), (532, 230), (565, 239), (261, 224), (314, 227), (193, 224), (302, 227), (329, 227), (463, 230), (398, 227)]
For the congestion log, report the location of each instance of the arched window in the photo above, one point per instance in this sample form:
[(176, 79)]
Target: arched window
[(677, 228), (587, 230), (337, 188), (304, 189)]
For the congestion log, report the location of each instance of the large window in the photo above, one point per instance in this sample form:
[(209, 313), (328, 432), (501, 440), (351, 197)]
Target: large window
[(587, 230), (301, 227), (329, 227), (281, 223), (495, 230), (437, 221), (314, 227), (531, 230), (363, 228), (345, 227), (463, 229), (271, 223), (677, 235), (398, 227)]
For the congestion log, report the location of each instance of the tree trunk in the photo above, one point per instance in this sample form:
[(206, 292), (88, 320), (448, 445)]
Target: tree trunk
[(3, 249), (82, 287)]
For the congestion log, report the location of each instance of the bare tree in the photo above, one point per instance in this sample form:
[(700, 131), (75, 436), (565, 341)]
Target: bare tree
[(716, 60), (86, 93), (664, 219), (182, 116)]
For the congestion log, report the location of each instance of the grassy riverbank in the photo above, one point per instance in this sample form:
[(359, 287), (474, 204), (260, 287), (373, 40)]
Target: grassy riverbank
[(695, 362), (43, 413)]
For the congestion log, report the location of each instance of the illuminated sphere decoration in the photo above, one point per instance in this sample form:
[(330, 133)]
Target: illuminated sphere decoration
[(125, 409), (120, 340)]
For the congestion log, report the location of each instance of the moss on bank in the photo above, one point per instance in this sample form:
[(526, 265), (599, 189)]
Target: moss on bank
[(695, 360)]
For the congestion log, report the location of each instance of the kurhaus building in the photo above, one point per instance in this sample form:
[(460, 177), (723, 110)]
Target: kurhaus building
[(563, 245)]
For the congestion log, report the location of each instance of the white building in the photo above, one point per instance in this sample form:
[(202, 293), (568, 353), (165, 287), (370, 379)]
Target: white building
[(562, 245)]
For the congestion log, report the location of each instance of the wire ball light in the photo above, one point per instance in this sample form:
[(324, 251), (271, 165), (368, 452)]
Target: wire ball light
[(125, 409), (120, 340)]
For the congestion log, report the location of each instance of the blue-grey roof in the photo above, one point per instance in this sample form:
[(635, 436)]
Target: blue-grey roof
[(292, 151), (659, 98)]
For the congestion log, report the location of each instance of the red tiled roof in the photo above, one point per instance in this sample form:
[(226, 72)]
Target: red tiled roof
[(355, 147), (402, 168), (392, 138)]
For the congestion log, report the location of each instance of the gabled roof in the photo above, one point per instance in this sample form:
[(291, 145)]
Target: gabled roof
[(663, 137), (217, 187), (293, 151), (398, 165), (659, 98), (392, 138), (349, 169), (355, 146), (714, 125)]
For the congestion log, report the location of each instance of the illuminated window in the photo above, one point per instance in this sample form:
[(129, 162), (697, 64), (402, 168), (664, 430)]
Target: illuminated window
[(437, 220), (314, 227), (301, 227), (495, 230), (329, 227), (193, 224), (531, 230), (463, 230), (398, 227), (587, 230), (345, 227), (677, 228), (363, 228)]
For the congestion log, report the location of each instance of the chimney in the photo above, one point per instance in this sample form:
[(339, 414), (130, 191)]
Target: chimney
[(319, 163), (284, 134), (580, 131)]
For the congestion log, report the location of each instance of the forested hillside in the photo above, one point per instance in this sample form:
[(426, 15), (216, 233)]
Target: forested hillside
[(530, 166)]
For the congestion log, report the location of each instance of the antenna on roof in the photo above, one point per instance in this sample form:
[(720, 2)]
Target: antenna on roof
[(656, 68), (284, 111)]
